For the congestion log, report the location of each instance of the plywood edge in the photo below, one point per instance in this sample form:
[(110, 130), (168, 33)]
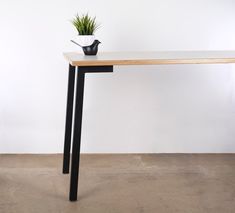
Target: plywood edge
[(151, 62)]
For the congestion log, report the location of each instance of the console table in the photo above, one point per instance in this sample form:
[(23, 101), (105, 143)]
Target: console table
[(104, 62)]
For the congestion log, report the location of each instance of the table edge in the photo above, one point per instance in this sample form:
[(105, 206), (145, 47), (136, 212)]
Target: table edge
[(121, 62)]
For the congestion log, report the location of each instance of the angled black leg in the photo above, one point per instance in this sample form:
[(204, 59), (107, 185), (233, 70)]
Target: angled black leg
[(77, 124), (77, 135), (68, 122)]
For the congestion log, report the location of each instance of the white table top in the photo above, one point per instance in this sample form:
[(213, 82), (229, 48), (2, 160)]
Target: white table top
[(151, 58)]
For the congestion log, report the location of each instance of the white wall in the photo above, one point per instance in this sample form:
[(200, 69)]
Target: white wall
[(183, 108)]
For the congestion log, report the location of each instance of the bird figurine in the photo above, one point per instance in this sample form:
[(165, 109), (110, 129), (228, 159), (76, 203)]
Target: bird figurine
[(91, 49)]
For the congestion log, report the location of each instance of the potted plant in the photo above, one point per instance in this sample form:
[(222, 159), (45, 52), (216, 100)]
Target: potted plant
[(86, 27)]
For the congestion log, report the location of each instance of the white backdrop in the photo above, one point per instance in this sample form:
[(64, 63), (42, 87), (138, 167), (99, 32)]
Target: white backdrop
[(183, 108)]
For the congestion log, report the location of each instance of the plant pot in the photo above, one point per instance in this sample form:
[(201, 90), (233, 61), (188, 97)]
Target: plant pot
[(85, 40)]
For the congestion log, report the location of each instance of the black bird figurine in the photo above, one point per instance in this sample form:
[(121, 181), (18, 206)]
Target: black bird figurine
[(89, 50)]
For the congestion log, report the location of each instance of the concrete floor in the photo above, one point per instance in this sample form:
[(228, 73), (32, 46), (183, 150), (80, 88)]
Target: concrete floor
[(160, 183)]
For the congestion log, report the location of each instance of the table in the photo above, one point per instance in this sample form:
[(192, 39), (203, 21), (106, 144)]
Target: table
[(102, 63)]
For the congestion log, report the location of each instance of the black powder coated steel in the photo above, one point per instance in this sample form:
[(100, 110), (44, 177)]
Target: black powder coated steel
[(95, 69), (77, 122), (77, 136), (69, 116)]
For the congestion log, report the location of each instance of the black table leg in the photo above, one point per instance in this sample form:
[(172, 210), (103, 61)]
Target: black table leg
[(77, 135), (69, 116), (77, 124)]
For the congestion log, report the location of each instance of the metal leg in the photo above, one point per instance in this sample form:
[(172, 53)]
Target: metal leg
[(77, 135), (78, 124), (68, 124)]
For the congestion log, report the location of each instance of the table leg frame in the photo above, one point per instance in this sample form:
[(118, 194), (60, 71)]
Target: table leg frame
[(77, 136), (69, 117), (77, 123)]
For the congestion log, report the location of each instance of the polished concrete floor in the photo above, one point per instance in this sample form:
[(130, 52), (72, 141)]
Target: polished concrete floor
[(157, 183)]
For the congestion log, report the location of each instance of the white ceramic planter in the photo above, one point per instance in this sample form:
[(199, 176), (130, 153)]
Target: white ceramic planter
[(85, 40)]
